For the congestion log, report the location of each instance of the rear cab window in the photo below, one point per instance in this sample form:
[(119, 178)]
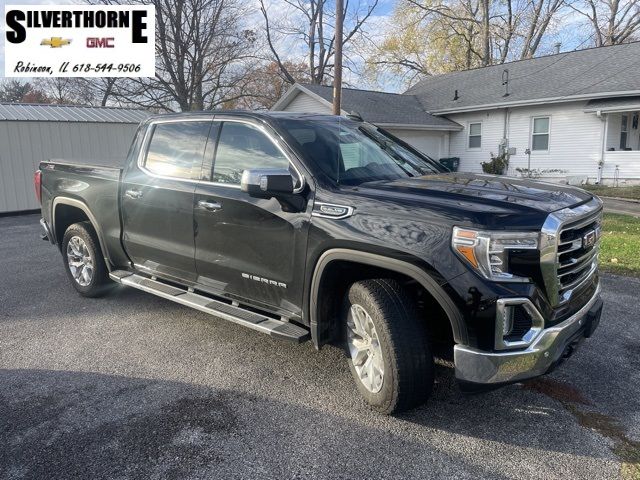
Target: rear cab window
[(176, 149)]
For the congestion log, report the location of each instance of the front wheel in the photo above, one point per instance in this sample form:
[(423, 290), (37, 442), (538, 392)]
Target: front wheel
[(388, 348), (83, 260)]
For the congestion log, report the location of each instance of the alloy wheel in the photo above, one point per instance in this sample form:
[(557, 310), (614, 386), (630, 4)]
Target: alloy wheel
[(364, 348), (80, 261)]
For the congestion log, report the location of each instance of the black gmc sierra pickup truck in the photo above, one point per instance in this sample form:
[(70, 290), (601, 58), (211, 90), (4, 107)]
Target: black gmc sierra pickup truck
[(329, 229)]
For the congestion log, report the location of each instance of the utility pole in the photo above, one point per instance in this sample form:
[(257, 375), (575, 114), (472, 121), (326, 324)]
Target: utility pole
[(337, 71)]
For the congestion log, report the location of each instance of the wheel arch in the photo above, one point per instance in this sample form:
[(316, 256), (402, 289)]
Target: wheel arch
[(57, 223), (385, 263)]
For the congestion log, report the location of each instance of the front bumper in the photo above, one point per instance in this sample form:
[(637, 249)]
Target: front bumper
[(475, 366)]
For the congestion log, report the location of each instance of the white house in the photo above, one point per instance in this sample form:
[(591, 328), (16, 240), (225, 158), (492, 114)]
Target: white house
[(576, 112), (402, 115)]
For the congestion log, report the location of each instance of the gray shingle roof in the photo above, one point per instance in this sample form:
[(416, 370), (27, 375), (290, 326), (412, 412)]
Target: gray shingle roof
[(381, 107), (613, 103), (606, 70), (67, 113)]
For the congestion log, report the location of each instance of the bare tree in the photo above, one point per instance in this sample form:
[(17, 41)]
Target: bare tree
[(17, 91), (14, 90), (612, 21), (101, 92), (495, 28), (437, 36), (310, 24), (98, 92), (265, 85), (536, 21), (470, 18), (203, 53)]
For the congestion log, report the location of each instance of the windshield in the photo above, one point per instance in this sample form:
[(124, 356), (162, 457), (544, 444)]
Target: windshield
[(352, 153)]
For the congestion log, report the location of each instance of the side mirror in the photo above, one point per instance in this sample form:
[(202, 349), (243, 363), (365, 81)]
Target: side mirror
[(267, 182)]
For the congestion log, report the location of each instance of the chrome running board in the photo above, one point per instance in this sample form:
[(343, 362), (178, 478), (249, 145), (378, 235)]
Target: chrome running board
[(235, 314)]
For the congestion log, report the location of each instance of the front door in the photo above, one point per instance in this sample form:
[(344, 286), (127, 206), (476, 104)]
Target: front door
[(249, 249), (157, 198)]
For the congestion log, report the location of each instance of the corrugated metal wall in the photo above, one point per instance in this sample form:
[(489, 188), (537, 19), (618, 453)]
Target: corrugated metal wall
[(24, 144)]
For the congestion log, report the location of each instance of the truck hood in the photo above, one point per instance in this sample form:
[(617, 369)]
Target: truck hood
[(490, 190)]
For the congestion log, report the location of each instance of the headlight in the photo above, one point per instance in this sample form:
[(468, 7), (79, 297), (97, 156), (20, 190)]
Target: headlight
[(488, 252)]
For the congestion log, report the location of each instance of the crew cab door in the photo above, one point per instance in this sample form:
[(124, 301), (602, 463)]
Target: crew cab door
[(157, 194), (247, 248)]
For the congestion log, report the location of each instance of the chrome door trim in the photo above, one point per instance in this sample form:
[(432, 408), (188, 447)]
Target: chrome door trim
[(222, 118), (279, 144)]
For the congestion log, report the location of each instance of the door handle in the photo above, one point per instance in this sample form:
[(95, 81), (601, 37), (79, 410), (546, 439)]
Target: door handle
[(133, 193), (209, 206)]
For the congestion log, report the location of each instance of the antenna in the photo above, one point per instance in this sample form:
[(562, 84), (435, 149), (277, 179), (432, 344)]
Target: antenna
[(505, 81)]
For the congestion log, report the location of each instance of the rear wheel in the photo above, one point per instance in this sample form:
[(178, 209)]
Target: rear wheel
[(83, 260), (388, 348)]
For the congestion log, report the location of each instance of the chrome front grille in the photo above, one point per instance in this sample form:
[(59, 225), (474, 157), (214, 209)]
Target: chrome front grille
[(577, 256), (569, 250)]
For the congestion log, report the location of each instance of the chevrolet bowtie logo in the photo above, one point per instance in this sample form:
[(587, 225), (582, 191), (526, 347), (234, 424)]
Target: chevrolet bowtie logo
[(55, 42)]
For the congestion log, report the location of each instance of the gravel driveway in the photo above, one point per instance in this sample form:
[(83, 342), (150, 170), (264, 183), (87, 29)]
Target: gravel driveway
[(134, 386)]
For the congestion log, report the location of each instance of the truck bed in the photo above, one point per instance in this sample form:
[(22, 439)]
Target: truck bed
[(68, 184)]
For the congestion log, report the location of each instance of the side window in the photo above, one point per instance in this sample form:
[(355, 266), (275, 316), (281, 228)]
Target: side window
[(540, 134), (240, 147), (176, 149), (475, 135)]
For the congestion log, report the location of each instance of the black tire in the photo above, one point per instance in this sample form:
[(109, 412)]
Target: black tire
[(407, 381), (99, 282)]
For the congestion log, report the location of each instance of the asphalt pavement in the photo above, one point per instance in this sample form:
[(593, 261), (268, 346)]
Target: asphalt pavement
[(622, 206), (134, 386)]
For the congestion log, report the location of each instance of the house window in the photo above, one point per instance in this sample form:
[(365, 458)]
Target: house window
[(540, 134), (475, 135), (624, 131)]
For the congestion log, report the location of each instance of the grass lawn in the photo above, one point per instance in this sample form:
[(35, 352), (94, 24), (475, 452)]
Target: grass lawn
[(620, 248), (620, 192)]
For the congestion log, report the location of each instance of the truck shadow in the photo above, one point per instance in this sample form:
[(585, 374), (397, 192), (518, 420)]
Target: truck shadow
[(63, 424)]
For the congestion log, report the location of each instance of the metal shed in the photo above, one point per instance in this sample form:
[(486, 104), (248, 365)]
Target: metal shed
[(32, 133)]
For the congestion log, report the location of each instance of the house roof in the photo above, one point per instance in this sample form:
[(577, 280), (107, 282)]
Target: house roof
[(590, 73), (618, 104), (386, 109), (68, 113)]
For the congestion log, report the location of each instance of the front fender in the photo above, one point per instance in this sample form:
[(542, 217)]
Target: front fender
[(409, 269)]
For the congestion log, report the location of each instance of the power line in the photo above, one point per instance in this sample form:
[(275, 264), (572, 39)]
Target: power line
[(609, 76), (561, 56)]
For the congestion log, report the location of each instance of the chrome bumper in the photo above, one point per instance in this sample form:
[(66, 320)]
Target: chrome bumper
[(478, 366)]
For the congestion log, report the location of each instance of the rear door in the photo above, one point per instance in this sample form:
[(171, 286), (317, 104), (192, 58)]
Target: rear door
[(248, 248), (157, 197)]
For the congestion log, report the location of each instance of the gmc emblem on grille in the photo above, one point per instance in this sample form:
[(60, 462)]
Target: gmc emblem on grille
[(589, 239)]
